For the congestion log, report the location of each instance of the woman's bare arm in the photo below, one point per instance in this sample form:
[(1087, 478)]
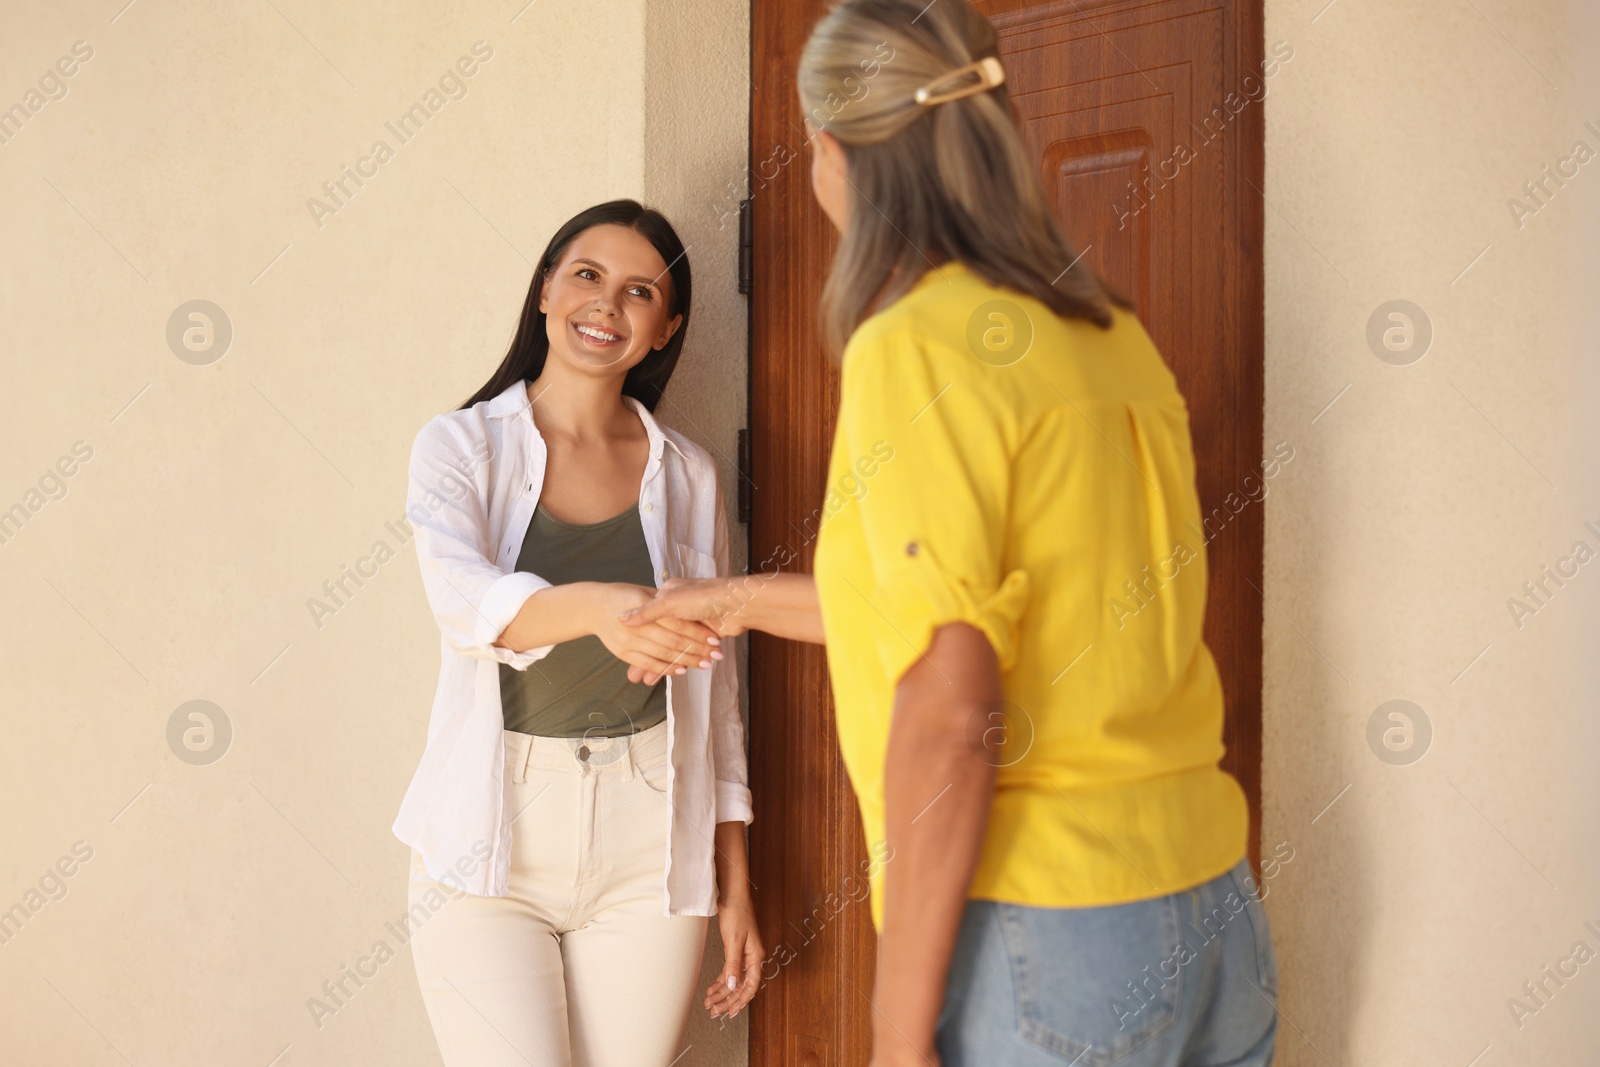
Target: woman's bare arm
[(782, 604), (938, 785), (742, 949), (577, 609)]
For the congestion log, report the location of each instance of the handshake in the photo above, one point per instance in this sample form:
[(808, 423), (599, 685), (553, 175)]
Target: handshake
[(667, 630)]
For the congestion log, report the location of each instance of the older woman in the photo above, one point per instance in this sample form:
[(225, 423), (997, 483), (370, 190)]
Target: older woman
[(1031, 721)]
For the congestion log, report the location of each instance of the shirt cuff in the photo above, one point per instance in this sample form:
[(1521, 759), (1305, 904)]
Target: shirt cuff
[(919, 597), (733, 803), (500, 605)]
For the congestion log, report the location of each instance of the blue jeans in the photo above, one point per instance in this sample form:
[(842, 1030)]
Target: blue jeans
[(1186, 980)]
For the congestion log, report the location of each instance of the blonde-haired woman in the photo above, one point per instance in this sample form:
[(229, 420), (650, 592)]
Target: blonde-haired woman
[(1067, 881)]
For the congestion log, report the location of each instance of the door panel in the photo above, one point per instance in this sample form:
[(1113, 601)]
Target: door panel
[(1107, 92)]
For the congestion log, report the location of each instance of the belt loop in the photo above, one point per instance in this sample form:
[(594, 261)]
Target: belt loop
[(512, 760), (627, 757)]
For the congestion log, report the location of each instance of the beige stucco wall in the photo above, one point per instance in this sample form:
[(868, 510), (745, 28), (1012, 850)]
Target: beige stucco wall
[(1417, 505), (175, 563)]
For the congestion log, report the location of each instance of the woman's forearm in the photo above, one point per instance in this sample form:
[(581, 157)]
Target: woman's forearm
[(733, 863), (556, 614), (937, 792), (782, 604)]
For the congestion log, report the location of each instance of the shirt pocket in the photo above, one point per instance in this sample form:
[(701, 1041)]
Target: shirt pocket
[(693, 563)]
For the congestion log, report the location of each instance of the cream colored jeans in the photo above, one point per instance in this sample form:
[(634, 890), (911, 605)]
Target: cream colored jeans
[(578, 967)]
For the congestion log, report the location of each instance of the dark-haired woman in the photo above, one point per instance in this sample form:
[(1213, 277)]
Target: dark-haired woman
[(572, 828), (1011, 585)]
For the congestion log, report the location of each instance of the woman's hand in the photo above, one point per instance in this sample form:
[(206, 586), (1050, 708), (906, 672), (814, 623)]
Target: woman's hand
[(709, 603), (782, 604), (714, 602), (656, 648), (742, 955)]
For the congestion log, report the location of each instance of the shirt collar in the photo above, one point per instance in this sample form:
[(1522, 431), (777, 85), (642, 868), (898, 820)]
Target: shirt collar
[(513, 400)]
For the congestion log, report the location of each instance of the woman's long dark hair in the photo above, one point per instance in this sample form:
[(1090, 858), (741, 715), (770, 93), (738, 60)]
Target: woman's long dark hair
[(647, 378)]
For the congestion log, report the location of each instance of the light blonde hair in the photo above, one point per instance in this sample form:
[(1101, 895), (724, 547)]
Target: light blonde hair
[(949, 181)]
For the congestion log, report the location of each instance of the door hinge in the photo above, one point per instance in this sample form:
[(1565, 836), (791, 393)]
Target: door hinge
[(746, 246), (746, 502)]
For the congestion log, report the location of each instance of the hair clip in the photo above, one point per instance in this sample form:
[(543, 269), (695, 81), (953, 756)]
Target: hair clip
[(990, 74)]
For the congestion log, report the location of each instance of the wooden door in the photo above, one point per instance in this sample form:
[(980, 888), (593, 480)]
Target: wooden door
[(1147, 120)]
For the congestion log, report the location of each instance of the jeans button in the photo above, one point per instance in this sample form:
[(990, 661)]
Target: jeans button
[(583, 752)]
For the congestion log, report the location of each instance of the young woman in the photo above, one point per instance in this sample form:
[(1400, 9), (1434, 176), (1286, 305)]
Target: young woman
[(1031, 724), (572, 828)]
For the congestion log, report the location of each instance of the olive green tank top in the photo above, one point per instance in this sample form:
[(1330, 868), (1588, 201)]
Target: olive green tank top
[(580, 689)]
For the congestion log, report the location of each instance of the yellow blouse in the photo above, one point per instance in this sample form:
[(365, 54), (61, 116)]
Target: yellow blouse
[(1032, 476)]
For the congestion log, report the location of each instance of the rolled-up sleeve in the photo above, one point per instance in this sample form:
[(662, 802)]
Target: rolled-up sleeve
[(727, 727), (473, 599), (934, 515)]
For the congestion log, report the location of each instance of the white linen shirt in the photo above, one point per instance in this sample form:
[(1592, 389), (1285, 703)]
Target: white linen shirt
[(475, 477)]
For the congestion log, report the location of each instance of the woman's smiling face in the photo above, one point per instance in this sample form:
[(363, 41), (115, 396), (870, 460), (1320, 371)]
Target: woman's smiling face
[(606, 301)]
